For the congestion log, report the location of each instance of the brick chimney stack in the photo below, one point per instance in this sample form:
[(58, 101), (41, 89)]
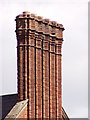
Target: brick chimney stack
[(39, 43)]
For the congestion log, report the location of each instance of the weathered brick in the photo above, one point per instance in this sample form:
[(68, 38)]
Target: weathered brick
[(39, 43)]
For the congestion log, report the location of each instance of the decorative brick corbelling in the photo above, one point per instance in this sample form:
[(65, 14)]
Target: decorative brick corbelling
[(39, 43)]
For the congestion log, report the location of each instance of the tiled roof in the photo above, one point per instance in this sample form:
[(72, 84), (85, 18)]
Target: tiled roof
[(17, 109), (64, 115), (10, 101)]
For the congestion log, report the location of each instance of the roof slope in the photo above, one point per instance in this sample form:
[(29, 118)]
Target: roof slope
[(10, 106), (17, 109), (8, 101)]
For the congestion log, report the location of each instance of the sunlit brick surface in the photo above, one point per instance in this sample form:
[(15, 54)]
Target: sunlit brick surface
[(39, 43)]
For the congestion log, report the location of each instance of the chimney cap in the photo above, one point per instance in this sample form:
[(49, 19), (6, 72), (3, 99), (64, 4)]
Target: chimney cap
[(39, 18), (46, 20), (19, 16), (26, 12), (33, 15), (53, 23), (60, 26)]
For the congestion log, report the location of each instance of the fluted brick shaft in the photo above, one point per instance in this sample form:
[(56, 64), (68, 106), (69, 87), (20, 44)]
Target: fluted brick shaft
[(45, 78), (21, 73), (20, 65), (31, 85), (39, 43), (25, 58), (38, 79), (58, 81), (52, 81)]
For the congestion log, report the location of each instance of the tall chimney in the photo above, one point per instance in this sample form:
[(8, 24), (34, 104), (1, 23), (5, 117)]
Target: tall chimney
[(39, 43)]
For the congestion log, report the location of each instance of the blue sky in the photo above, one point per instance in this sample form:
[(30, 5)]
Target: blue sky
[(73, 14)]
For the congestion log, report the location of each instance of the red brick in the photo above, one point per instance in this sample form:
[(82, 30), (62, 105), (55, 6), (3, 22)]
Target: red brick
[(39, 65)]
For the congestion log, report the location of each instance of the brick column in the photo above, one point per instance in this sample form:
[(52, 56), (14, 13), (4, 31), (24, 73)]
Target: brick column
[(46, 77), (24, 62), (53, 103), (58, 80), (59, 41), (31, 74), (46, 68), (52, 80), (38, 77), (20, 65), (39, 44), (25, 67), (31, 66), (20, 41)]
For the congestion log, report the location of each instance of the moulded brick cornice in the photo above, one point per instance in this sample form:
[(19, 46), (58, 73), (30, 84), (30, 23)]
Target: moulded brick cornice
[(39, 18)]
